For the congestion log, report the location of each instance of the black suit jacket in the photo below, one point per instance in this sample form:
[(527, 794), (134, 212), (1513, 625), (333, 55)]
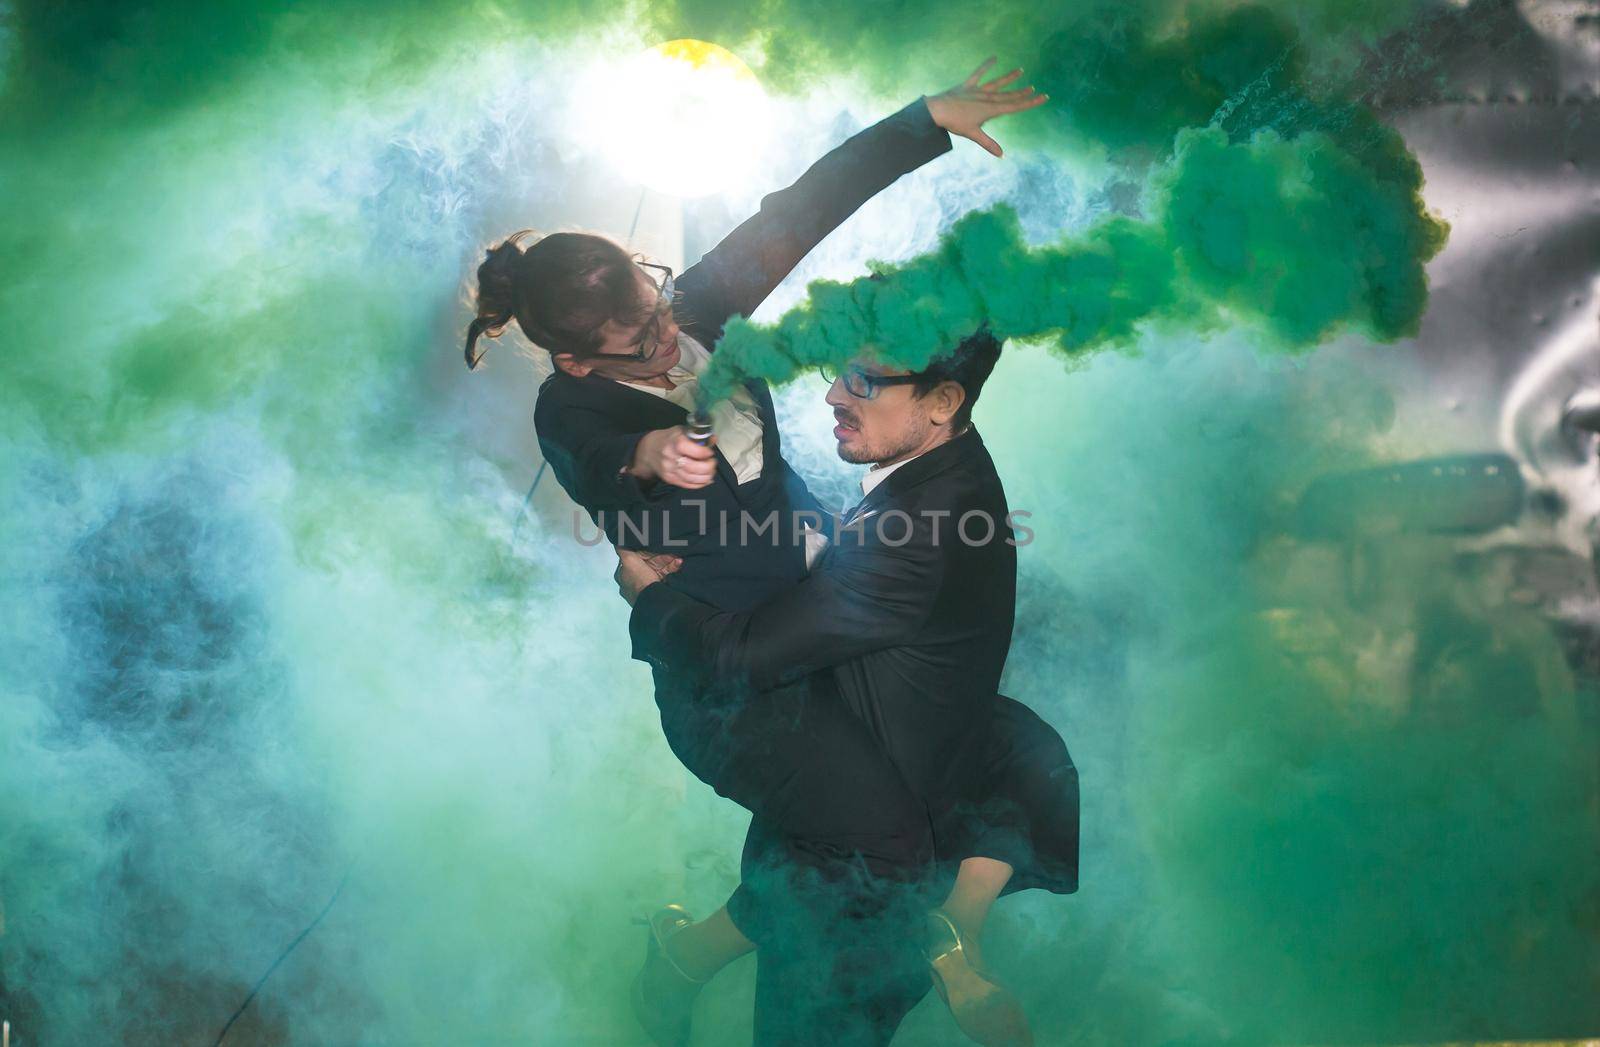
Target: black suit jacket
[(911, 611), (588, 427)]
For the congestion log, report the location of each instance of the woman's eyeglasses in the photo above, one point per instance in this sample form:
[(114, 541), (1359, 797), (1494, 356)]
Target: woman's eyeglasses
[(863, 385), (650, 338)]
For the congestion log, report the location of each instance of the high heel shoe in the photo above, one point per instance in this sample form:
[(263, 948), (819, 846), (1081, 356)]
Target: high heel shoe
[(662, 993), (984, 1009)]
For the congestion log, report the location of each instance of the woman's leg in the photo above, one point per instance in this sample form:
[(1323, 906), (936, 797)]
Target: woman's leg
[(703, 948), (985, 1010), (978, 883)]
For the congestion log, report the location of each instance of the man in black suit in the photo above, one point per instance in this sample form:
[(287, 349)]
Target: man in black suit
[(912, 605), (909, 613)]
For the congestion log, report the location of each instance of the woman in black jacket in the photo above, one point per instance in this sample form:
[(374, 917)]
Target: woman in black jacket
[(628, 339)]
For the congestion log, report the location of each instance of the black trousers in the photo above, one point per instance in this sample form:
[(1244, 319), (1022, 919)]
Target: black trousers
[(838, 968), (835, 820), (843, 857)]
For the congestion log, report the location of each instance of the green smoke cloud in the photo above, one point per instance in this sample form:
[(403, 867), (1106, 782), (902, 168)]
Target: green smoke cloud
[(267, 619), (1319, 750), (1295, 218), (1130, 71)]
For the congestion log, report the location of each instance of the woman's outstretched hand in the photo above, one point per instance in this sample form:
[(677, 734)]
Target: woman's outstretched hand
[(963, 109)]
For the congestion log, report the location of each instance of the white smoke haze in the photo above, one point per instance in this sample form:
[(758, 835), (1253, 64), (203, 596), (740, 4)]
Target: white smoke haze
[(274, 620)]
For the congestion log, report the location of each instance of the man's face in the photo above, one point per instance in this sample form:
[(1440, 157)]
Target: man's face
[(616, 356), (887, 425)]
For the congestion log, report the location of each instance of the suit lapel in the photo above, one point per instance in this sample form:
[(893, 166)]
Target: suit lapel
[(770, 443), (923, 468), (872, 503)]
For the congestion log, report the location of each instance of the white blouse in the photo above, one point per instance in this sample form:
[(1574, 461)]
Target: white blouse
[(736, 420)]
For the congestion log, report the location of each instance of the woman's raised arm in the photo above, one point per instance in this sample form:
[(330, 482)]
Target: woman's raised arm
[(737, 275)]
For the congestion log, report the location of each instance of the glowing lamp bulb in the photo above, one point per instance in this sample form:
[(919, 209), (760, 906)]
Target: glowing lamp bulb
[(686, 117)]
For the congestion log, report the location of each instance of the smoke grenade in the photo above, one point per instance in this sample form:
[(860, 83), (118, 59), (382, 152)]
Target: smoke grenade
[(699, 426)]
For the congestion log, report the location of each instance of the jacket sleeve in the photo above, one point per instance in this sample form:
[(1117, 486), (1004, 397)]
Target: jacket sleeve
[(867, 597), (739, 273), (588, 456)]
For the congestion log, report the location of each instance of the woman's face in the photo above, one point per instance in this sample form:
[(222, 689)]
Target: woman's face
[(617, 356)]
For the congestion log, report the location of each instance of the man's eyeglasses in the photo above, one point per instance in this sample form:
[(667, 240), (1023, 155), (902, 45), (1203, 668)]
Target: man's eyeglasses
[(863, 385), (650, 338)]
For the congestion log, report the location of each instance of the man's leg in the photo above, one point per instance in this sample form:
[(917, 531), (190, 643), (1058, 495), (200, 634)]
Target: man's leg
[(836, 970), (794, 1009), (814, 776), (844, 820)]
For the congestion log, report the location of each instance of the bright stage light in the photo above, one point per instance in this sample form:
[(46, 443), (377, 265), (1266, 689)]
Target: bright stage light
[(686, 117)]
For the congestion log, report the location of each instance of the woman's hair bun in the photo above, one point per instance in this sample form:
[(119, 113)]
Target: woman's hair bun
[(497, 297)]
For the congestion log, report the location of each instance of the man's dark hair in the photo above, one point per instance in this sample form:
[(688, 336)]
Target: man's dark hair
[(969, 367)]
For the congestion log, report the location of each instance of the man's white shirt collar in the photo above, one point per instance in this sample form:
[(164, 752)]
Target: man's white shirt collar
[(877, 474)]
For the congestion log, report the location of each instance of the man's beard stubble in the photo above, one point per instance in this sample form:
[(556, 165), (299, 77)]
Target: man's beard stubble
[(872, 453)]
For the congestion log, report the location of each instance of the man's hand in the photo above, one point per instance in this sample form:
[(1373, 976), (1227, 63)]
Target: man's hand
[(669, 456), (637, 571), (963, 109)]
